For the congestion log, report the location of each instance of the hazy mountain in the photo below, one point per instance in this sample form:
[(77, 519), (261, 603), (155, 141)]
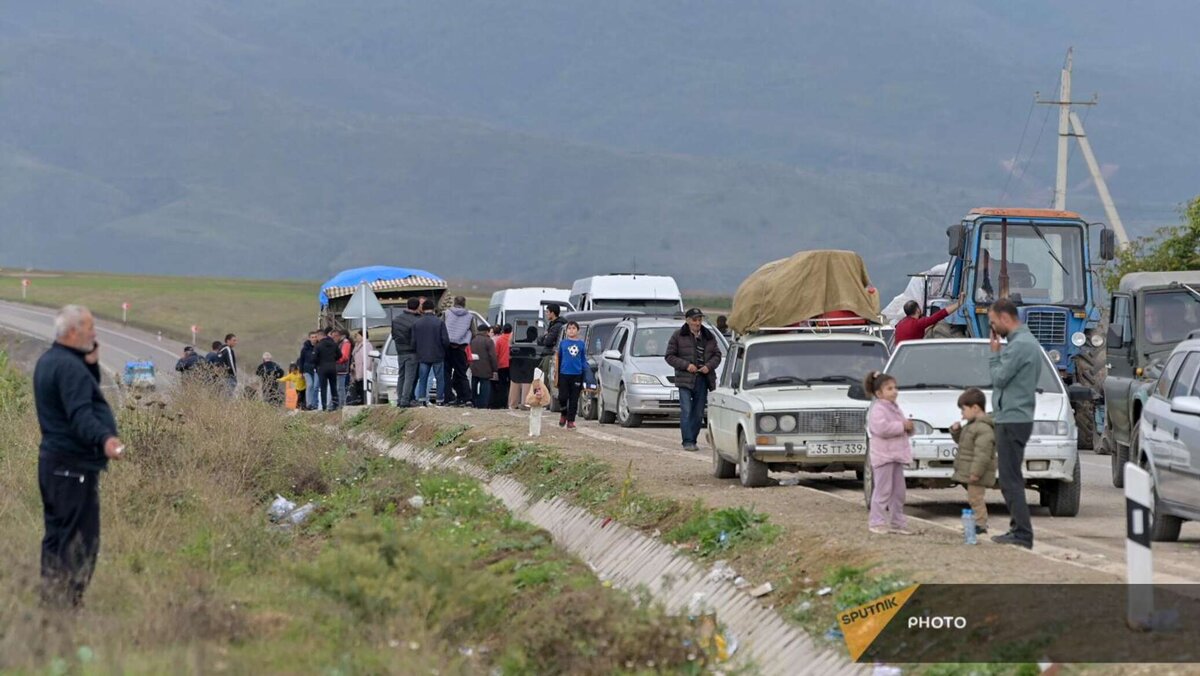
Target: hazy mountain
[(549, 140)]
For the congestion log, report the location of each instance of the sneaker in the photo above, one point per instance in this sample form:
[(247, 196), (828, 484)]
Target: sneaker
[(878, 530), (570, 425), (562, 421), (690, 447), (902, 531), (1010, 539), (981, 530)]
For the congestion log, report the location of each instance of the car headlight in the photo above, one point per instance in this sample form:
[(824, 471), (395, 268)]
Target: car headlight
[(1050, 428), (922, 428), (767, 423), (390, 371), (787, 423), (644, 379), (1078, 339), (1097, 340), (1055, 356)]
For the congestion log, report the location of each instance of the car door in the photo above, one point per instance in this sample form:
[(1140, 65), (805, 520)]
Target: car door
[(1172, 430), (1189, 435), (1155, 419), (718, 404)]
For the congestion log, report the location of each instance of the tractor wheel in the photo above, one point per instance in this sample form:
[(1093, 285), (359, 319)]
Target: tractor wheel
[(1090, 372)]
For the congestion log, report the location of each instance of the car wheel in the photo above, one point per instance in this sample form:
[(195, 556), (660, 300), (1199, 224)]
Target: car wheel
[(587, 407), (721, 467), (626, 417), (1064, 497), (1123, 454), (752, 472), (1163, 527), (606, 417), (868, 479)]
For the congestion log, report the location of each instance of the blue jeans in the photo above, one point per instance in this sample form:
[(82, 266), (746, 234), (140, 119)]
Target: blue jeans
[(312, 393), (691, 409), (423, 372)]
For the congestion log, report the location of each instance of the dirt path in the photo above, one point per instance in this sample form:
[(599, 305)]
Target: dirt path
[(825, 527)]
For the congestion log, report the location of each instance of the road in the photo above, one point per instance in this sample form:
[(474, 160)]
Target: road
[(118, 344), (1094, 539)]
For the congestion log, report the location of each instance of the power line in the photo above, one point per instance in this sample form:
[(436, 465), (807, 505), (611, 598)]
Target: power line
[(1017, 155), (1038, 140)]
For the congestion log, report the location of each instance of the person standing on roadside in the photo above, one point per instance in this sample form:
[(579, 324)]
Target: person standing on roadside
[(406, 354), (79, 437), (269, 373), (695, 355), (521, 370), (1015, 371), (485, 369), (343, 363), (572, 364), (431, 342), (500, 392), (229, 363), (914, 326), (188, 363), (723, 326), (458, 327), (326, 353), (554, 327), (307, 363)]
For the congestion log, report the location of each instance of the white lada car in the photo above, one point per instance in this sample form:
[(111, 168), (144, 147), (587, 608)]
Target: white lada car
[(782, 403), (931, 374)]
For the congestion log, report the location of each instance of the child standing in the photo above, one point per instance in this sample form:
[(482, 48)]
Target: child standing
[(975, 463), (890, 452), (572, 363), (296, 380)]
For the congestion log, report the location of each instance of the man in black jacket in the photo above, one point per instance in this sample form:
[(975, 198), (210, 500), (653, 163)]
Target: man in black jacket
[(694, 353), (327, 355), (229, 363), (554, 328), (406, 352), (79, 437), (431, 340), (307, 363)]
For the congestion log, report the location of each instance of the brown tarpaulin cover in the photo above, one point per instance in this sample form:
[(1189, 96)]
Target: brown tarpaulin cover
[(808, 284)]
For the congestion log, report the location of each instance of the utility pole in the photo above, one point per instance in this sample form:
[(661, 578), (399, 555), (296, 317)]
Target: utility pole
[(1069, 125)]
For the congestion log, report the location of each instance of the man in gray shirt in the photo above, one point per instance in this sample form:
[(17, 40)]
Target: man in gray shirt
[(1015, 370)]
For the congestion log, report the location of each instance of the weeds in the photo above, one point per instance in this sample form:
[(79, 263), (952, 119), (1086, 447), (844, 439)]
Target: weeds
[(449, 435), (722, 529)]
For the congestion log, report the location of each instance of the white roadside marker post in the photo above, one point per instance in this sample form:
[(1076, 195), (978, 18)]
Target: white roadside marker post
[(1139, 561)]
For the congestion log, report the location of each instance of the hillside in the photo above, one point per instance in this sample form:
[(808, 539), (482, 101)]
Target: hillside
[(544, 142)]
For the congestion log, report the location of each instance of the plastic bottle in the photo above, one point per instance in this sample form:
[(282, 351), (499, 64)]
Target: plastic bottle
[(969, 536)]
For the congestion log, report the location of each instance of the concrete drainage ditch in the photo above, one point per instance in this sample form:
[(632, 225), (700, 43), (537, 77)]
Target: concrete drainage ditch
[(633, 561)]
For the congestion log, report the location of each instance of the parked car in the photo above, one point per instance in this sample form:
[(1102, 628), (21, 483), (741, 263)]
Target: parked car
[(1168, 442), (635, 380), (782, 402), (1150, 314), (932, 373)]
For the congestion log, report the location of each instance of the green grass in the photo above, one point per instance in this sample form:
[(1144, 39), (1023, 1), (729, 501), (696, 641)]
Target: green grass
[(715, 531)]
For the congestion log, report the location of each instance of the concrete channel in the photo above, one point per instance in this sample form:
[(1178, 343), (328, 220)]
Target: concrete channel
[(633, 562)]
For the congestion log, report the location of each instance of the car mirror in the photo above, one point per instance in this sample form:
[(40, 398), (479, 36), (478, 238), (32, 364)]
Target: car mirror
[(1108, 244), (857, 392), (1079, 393), (373, 354), (957, 236), (1186, 405), (613, 355)]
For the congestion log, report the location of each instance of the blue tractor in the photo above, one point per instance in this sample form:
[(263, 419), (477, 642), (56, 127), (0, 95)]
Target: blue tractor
[(1041, 259)]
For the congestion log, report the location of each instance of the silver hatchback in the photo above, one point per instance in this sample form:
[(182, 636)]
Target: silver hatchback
[(635, 380)]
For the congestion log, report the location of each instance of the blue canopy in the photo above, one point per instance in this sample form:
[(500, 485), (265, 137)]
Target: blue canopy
[(376, 273)]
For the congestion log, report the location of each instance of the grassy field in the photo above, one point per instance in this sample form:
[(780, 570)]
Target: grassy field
[(268, 315), (193, 578)]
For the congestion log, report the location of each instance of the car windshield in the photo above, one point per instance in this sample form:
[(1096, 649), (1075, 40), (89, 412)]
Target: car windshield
[(650, 307), (1034, 270), (918, 365), (1169, 317), (652, 341), (597, 337), (778, 364)]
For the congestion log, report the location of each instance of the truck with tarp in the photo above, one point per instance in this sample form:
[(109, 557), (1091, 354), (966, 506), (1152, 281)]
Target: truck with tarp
[(393, 286)]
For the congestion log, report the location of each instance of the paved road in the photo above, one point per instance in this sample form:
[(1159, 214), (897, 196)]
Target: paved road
[(1095, 538), (117, 344)]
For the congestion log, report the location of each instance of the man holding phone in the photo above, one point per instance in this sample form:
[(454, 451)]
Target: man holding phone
[(1015, 370), (79, 437)]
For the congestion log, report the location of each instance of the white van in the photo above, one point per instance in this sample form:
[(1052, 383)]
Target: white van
[(525, 307), (651, 294)]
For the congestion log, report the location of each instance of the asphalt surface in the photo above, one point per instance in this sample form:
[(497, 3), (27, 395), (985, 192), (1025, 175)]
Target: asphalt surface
[(1094, 539), (118, 344)]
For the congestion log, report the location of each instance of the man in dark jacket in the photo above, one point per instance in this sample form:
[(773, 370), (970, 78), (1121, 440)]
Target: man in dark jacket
[(694, 354), (188, 363), (269, 373), (554, 328), (327, 355), (406, 353), (229, 363), (485, 366), (430, 342), (79, 437), (307, 363)]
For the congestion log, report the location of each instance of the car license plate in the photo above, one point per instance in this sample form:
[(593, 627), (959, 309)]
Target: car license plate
[(838, 448), (674, 395), (946, 452)]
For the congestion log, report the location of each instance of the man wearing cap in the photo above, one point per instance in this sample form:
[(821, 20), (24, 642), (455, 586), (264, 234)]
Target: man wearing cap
[(694, 354), (188, 362)]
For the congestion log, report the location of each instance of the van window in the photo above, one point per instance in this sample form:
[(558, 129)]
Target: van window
[(651, 307)]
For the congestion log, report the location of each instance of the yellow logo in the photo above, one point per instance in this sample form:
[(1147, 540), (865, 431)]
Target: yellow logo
[(862, 625)]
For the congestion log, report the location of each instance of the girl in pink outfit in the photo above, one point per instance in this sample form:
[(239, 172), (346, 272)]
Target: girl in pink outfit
[(889, 430)]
